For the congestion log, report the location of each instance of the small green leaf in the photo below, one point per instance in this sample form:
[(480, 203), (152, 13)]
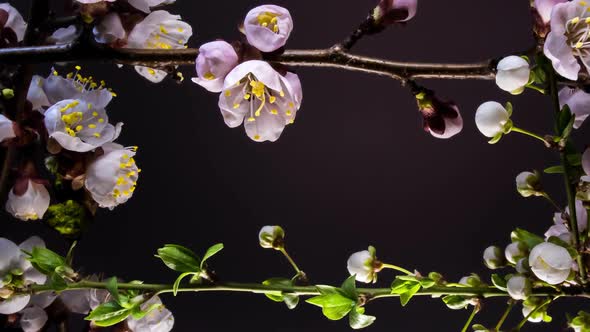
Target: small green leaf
[(45, 260), (574, 159), (407, 296), (499, 282), (138, 314), (349, 288), (57, 283), (108, 314), (358, 320), (455, 302), (531, 240), (427, 282), (179, 258), (113, 287), (554, 170), (214, 249)]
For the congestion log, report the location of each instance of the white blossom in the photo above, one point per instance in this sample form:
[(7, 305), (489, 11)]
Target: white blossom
[(515, 251), (30, 204), (550, 263), (12, 259), (491, 118), (158, 320), (258, 96), (519, 287), (364, 265), (216, 59), (545, 7), (111, 179), (63, 35), (159, 30), (268, 27), (493, 257), (513, 74)]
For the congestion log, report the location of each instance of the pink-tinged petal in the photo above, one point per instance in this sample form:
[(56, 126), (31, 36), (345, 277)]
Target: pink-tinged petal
[(578, 102), (9, 254), (453, 126), (268, 27), (395, 11), (109, 30), (586, 161), (6, 128), (260, 69), (33, 319), (216, 59), (232, 116), (63, 35), (58, 88), (267, 127), (15, 21), (76, 301), (293, 84), (43, 300), (36, 95), (561, 56), (545, 7), (151, 74), (32, 205), (14, 304)]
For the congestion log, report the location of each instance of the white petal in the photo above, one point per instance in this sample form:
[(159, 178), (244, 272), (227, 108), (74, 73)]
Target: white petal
[(490, 118), (36, 94), (513, 73), (6, 128), (562, 56), (109, 30), (31, 205), (63, 35), (9, 254), (15, 21), (260, 69), (14, 304), (33, 319), (151, 74)]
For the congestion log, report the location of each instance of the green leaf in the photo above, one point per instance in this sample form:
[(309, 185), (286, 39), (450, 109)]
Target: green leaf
[(499, 282), (334, 306), (358, 320), (57, 283), (349, 288), (427, 282), (554, 170), (290, 300), (564, 119), (214, 249), (138, 314), (574, 159), (326, 290), (179, 258), (113, 287), (455, 302), (45, 260), (108, 314), (407, 296), (179, 279), (530, 239)]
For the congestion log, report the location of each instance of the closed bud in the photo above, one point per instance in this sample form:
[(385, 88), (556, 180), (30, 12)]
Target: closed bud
[(442, 119), (515, 251), (529, 184), (513, 73), (364, 265), (494, 257), (272, 237), (519, 287), (394, 11)]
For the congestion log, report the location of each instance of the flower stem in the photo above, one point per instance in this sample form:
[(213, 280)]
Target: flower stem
[(470, 319), (505, 315), (397, 268), (528, 133), (552, 201), (537, 308), (291, 261)]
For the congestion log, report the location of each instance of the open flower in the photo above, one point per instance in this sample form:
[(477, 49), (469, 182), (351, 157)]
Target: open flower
[(519, 287), (568, 40), (111, 179), (6, 128), (394, 11), (364, 265), (268, 27), (529, 184), (45, 92), (28, 203), (159, 30), (551, 263), (441, 118), (267, 101), (15, 268), (578, 102), (158, 320), (216, 59), (491, 118), (513, 74), (14, 21), (545, 7), (80, 126)]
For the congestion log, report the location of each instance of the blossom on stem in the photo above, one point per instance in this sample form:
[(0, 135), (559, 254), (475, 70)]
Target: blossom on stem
[(216, 59), (568, 40), (12, 20), (28, 203), (258, 96), (159, 319), (111, 179), (109, 30), (578, 102), (6, 128), (442, 119), (159, 30), (545, 7), (16, 272), (529, 184), (80, 126), (394, 11), (494, 257), (513, 74), (268, 27), (515, 251), (492, 118), (581, 215), (364, 265), (551, 263), (519, 287), (272, 237)]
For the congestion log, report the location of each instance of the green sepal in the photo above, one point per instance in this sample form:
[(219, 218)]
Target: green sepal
[(496, 138), (554, 170), (531, 240), (499, 282), (290, 300)]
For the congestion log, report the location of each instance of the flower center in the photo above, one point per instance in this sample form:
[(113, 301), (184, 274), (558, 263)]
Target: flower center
[(128, 174), (578, 30), (269, 21)]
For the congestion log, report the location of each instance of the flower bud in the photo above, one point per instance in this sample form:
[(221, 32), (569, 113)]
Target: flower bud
[(394, 11), (441, 118), (268, 27), (364, 265), (529, 184), (472, 281), (493, 257), (513, 73), (519, 287), (522, 266), (272, 237), (551, 263), (515, 251), (216, 59), (6, 129), (492, 119), (531, 304)]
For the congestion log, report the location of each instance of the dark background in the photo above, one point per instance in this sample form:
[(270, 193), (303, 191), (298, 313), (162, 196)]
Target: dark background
[(355, 170)]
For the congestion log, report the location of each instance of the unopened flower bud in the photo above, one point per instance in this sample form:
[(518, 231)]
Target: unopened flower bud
[(268, 27), (272, 237), (580, 323), (513, 74), (216, 59), (494, 257), (394, 11), (515, 251), (522, 266), (442, 119), (472, 281), (492, 119), (529, 184), (364, 265), (519, 287)]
